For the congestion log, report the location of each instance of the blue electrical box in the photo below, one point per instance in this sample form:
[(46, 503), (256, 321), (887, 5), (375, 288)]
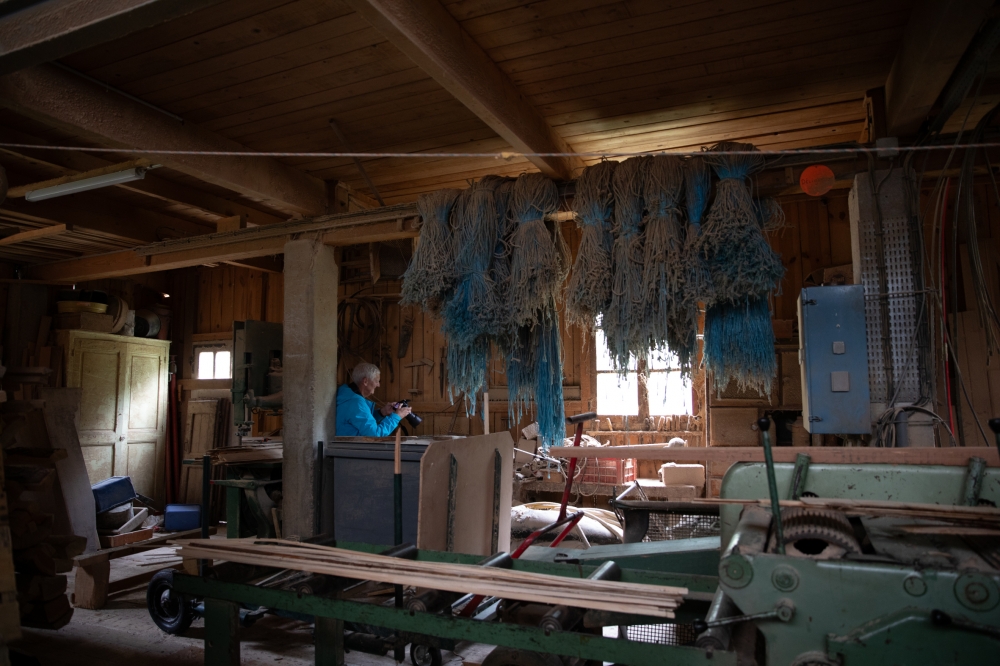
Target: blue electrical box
[(833, 356)]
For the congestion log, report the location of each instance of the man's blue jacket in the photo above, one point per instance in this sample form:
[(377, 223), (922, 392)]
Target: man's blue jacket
[(357, 416)]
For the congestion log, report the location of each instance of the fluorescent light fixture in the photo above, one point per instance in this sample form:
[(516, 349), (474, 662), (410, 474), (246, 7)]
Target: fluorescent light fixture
[(136, 173)]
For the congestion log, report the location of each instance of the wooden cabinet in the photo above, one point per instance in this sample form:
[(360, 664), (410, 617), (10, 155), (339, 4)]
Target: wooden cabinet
[(123, 410)]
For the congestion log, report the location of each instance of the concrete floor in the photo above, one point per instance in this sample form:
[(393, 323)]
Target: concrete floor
[(122, 633)]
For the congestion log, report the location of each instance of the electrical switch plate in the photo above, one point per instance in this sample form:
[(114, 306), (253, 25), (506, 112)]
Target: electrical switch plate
[(840, 381), (839, 347)]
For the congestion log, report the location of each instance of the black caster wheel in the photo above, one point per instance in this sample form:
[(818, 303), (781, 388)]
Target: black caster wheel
[(423, 655), (170, 611)]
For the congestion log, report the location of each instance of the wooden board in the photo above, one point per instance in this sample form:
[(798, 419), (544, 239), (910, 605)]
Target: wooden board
[(115, 540), (60, 412), (473, 519), (198, 439), (953, 456)]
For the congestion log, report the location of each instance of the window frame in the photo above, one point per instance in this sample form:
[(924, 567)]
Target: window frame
[(215, 347)]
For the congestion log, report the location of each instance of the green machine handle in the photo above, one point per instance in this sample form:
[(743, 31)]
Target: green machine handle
[(764, 424)]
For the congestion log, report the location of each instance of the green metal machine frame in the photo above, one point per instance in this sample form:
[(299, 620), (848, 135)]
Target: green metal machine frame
[(909, 599)]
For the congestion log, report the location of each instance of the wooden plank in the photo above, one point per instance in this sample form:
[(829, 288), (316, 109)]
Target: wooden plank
[(425, 31), (61, 99), (44, 232), (655, 600), (957, 455), (132, 548), (47, 31), (938, 34)]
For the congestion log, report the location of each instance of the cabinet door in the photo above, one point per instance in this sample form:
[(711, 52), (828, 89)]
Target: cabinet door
[(146, 418), (98, 367)]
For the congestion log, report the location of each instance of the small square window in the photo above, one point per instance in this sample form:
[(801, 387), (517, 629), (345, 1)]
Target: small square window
[(213, 362)]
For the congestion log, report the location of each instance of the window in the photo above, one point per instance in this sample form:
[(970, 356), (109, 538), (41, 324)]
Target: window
[(666, 391), (212, 362)]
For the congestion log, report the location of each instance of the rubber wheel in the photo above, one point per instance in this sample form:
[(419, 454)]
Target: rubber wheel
[(170, 611), (504, 656), (424, 655)]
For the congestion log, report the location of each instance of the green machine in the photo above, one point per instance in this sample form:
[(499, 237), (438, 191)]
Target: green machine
[(847, 590)]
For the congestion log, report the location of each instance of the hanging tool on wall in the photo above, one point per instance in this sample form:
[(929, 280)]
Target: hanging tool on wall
[(414, 385), (405, 333)]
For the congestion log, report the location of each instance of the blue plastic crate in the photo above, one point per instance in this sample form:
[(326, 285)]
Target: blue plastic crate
[(180, 517), (112, 492)]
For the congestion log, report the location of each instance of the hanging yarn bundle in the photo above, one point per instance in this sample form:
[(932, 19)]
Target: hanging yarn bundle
[(662, 252), (739, 339), (741, 261), (698, 286), (469, 314), (500, 329), (589, 291), (770, 214), (622, 321), (739, 345), (430, 276), (538, 265)]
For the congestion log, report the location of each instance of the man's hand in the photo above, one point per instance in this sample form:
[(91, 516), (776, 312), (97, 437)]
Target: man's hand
[(387, 409), (403, 412)]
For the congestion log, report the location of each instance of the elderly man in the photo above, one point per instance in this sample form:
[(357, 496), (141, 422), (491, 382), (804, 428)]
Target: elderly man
[(356, 415)]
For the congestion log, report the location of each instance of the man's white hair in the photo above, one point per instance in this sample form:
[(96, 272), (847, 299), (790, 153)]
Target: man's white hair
[(364, 371)]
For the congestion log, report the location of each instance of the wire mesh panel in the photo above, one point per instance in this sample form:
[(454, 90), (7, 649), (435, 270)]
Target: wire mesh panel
[(886, 259), (669, 526), (663, 634)]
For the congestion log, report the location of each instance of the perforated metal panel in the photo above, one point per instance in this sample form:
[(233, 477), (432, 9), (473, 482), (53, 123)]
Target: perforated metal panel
[(885, 263)]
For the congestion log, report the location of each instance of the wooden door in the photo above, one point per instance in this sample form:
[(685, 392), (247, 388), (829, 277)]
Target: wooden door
[(98, 367), (145, 423), (199, 437)]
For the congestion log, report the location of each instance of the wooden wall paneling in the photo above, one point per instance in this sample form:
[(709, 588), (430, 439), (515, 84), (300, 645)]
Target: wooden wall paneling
[(840, 229), (255, 295), (240, 307)]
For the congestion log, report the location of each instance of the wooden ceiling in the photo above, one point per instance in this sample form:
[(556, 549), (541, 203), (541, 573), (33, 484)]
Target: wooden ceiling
[(605, 75)]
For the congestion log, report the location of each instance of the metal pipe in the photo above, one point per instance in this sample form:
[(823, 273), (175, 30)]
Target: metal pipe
[(563, 618), (718, 638), (974, 481), (772, 485)]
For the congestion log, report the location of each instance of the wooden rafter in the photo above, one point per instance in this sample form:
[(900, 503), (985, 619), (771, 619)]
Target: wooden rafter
[(34, 234), (52, 29), (936, 37), (383, 224), (73, 162), (58, 98), (434, 40), (87, 210)]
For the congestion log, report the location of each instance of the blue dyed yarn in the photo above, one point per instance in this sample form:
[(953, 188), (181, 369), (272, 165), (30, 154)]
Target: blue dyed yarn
[(469, 313), (534, 375), (537, 261), (741, 261), (739, 345)]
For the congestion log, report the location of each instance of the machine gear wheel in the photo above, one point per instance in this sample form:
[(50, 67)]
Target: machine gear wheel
[(817, 534)]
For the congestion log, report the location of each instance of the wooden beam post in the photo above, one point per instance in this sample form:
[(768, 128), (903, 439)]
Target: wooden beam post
[(434, 40), (936, 37), (47, 31), (60, 99)]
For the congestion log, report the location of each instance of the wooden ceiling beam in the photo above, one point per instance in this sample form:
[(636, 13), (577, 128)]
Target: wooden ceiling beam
[(108, 216), (156, 187), (34, 234), (434, 40), (77, 106), (240, 246), (936, 37), (50, 30)]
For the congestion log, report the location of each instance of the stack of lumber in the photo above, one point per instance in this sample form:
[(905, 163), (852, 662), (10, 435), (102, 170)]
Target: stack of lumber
[(245, 454), (651, 600), (40, 557)]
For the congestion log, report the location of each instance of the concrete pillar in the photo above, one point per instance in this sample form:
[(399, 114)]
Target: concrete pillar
[(310, 371)]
